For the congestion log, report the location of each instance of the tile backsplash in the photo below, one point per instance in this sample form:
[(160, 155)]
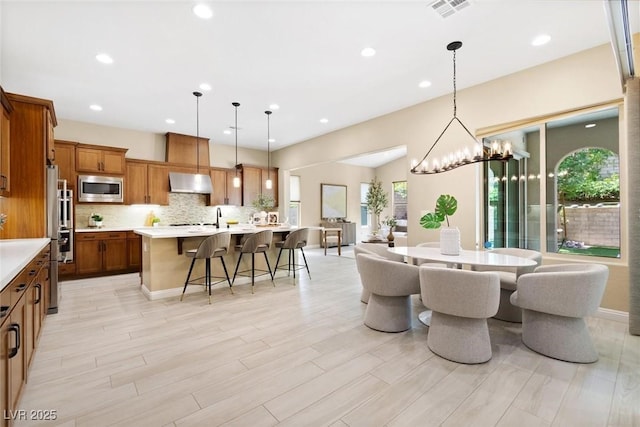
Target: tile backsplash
[(183, 208)]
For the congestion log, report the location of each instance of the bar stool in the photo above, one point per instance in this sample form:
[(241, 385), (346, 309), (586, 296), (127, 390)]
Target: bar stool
[(255, 243), (215, 246), (332, 235), (295, 240)]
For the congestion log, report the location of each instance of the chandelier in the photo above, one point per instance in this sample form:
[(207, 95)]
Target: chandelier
[(477, 152)]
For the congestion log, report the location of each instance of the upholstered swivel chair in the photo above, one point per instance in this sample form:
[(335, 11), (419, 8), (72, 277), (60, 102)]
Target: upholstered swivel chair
[(295, 240), (391, 285), (555, 299), (508, 281), (377, 249), (258, 242), (216, 246), (461, 301)]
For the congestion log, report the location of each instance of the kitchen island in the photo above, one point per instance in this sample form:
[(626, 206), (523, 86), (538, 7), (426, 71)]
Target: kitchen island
[(164, 265)]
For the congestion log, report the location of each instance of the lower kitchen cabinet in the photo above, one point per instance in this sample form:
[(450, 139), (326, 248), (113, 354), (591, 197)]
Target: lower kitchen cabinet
[(23, 306), (107, 252)]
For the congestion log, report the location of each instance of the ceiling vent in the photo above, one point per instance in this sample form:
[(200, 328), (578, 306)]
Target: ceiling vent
[(446, 8)]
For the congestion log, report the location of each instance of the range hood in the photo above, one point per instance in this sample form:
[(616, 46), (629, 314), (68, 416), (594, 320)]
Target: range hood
[(190, 183)]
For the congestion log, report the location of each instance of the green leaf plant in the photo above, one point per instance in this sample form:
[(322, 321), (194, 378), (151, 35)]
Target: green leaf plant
[(446, 206)]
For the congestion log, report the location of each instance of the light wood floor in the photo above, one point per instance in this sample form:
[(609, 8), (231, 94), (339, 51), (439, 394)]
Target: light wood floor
[(301, 356)]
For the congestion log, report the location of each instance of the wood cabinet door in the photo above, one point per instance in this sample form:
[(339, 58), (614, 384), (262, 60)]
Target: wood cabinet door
[(135, 186), (115, 255), (251, 184), (134, 251), (88, 160), (233, 194), (219, 184), (66, 160), (49, 141), (158, 184), (17, 366), (113, 162), (88, 256), (5, 134), (4, 372), (30, 308)]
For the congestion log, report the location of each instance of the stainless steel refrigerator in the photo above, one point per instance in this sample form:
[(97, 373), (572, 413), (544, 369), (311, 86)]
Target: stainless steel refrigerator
[(59, 230)]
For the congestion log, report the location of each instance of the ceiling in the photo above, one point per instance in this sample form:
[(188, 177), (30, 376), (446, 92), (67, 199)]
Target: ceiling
[(302, 55)]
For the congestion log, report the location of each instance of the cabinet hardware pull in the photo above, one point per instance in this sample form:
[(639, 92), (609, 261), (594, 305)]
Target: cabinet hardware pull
[(4, 182), (39, 288), (21, 287), (4, 310), (32, 272), (14, 327)]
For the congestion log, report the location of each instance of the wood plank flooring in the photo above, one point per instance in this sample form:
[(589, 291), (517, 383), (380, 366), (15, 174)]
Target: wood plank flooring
[(301, 356)]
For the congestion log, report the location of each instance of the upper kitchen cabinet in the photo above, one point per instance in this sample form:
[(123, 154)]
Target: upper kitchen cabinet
[(31, 130), (65, 158), (187, 150), (5, 138), (224, 193), (99, 159), (253, 183), (146, 183)]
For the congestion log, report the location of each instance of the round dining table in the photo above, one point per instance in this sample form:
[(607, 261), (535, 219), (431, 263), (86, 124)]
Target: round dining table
[(472, 258)]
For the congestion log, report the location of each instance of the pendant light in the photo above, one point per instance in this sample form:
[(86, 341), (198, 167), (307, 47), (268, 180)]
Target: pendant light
[(498, 150), (197, 95), (236, 179), (268, 183)]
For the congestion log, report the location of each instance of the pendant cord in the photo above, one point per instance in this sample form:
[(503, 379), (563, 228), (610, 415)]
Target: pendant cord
[(236, 128), (454, 84)]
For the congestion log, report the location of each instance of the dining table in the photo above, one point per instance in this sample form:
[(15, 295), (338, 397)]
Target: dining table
[(465, 257)]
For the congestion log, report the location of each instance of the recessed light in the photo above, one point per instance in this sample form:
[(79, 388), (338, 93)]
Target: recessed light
[(590, 125), (368, 51), (323, 120), (104, 58), (205, 86), (170, 121), (203, 11), (226, 132), (540, 40), (424, 83), (95, 107), (274, 107)]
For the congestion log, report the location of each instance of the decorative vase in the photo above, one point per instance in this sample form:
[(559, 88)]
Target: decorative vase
[(450, 241), (390, 236)]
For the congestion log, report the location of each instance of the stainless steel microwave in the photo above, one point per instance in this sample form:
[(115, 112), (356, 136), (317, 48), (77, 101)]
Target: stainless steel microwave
[(100, 189)]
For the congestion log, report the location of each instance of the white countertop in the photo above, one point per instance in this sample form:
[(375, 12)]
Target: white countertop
[(96, 229), (15, 254), (207, 230)]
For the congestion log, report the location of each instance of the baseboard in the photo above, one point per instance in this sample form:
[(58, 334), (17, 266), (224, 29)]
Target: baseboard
[(615, 315)]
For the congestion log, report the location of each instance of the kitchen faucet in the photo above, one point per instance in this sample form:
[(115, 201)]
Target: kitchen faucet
[(218, 216)]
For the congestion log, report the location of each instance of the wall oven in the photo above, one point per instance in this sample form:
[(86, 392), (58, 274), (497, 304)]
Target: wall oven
[(100, 189)]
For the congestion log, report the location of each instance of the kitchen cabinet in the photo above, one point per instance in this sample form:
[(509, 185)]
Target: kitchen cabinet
[(31, 127), (224, 193), (253, 183), (146, 183), (65, 158), (187, 150), (101, 252), (5, 140), (134, 251), (99, 159), (22, 311)]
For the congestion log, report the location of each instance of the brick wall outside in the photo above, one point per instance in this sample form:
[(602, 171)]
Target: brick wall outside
[(595, 226)]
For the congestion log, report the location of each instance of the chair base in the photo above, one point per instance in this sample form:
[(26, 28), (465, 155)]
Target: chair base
[(459, 339), (506, 311), (253, 270), (388, 314), (206, 279), (291, 263), (364, 296), (558, 337)]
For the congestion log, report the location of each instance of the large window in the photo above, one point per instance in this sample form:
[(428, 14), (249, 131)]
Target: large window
[(294, 200), (399, 201), (581, 193), (364, 213)]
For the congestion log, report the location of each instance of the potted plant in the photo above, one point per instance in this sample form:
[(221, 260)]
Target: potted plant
[(390, 221), (446, 206), (377, 199), (155, 221), (97, 219)]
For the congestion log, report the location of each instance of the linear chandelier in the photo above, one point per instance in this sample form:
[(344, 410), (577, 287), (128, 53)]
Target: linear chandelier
[(497, 150)]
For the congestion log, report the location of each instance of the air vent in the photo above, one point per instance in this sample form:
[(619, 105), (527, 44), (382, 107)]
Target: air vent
[(446, 8)]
